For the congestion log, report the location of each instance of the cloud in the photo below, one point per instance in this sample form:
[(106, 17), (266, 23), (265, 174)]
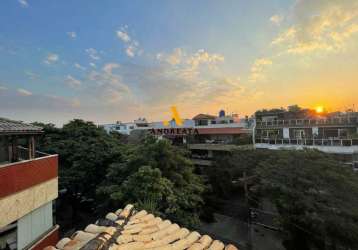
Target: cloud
[(173, 58), (130, 51), (123, 35), (72, 82), (92, 53), (51, 58), (93, 65), (31, 75), (72, 34), (23, 92), (2, 88), (79, 66), (321, 26), (190, 65), (108, 84), (276, 19), (131, 46), (203, 57), (23, 3), (257, 69), (20, 100)]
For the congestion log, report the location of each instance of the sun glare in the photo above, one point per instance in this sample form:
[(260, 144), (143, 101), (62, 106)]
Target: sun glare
[(319, 109)]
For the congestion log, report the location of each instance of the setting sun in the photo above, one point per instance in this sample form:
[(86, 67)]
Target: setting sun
[(319, 109)]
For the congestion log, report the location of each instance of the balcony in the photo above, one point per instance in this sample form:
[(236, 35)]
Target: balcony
[(310, 142), (340, 121), (335, 146), (28, 181)]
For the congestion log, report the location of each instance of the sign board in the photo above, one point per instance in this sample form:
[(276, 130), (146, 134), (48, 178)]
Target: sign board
[(174, 131)]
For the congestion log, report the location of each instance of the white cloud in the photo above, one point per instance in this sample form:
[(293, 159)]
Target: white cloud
[(257, 69), (23, 92), (276, 19), (72, 34), (73, 82), (32, 75), (130, 51), (23, 3), (79, 66), (109, 85), (92, 53), (203, 57), (123, 35), (93, 65), (2, 88), (321, 26), (194, 60), (131, 46), (51, 58), (173, 58)]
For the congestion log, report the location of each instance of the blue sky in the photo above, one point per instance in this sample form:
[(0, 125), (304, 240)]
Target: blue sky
[(119, 60)]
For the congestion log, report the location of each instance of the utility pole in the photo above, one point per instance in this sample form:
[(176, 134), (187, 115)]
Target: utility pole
[(249, 223), (249, 232)]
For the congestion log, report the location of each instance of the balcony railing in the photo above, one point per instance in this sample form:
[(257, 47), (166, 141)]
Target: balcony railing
[(309, 142), (23, 154), (351, 121)]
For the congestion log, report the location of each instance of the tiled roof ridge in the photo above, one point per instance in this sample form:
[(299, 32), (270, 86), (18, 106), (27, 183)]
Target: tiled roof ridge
[(8, 125), (128, 229)]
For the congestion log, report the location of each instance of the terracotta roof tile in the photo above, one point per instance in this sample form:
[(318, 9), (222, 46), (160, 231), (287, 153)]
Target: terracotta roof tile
[(136, 230)]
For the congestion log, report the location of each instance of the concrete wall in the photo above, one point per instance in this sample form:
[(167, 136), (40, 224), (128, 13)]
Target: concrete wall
[(17, 205)]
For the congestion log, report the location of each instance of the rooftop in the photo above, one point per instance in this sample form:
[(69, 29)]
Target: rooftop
[(9, 127), (204, 116), (128, 229)]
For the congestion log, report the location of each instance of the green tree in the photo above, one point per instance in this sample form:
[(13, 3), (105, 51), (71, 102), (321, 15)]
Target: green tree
[(158, 175), (316, 196), (85, 152)]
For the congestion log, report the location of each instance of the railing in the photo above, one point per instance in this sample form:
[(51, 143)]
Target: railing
[(310, 142), (309, 122), (23, 154)]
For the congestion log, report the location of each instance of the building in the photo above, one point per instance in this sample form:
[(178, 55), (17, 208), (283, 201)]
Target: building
[(127, 229), (335, 133), (126, 127), (28, 188), (206, 136)]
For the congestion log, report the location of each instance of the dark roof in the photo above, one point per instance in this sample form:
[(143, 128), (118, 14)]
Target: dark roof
[(203, 116), (10, 127), (128, 229)]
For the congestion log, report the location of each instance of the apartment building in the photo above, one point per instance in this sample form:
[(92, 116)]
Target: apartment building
[(28, 188), (335, 133), (206, 136), (126, 127)]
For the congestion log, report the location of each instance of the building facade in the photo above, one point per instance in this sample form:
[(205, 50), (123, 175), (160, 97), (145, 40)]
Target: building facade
[(330, 133), (206, 136), (126, 127), (28, 188)]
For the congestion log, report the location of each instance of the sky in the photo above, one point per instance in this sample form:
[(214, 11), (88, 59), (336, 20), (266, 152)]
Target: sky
[(108, 61)]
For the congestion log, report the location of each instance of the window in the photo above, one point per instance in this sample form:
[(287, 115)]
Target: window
[(33, 225)]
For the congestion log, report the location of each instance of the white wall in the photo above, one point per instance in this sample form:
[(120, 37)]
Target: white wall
[(33, 225), (326, 149)]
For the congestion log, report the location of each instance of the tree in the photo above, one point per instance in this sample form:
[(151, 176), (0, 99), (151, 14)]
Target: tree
[(85, 152), (317, 199), (158, 175)]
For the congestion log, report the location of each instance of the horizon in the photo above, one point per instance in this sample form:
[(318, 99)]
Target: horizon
[(112, 61)]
